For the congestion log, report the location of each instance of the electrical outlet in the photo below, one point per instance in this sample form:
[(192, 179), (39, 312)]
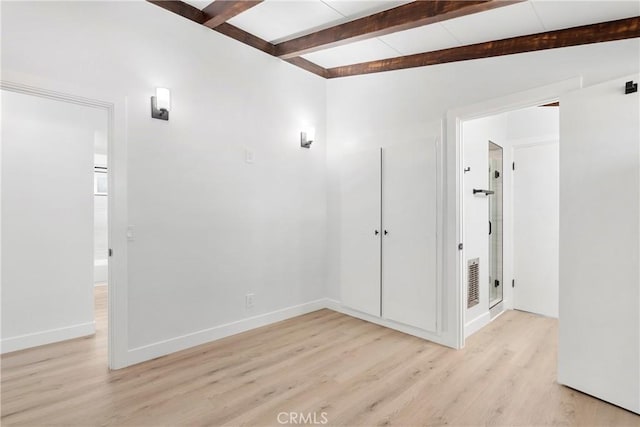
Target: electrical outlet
[(248, 300)]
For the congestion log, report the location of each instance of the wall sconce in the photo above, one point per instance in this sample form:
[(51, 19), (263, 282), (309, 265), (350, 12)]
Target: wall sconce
[(307, 136), (161, 104)]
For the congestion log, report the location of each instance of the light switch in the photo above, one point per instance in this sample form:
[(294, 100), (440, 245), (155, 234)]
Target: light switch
[(249, 155)]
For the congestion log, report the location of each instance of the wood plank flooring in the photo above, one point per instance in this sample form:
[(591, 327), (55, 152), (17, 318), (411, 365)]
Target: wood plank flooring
[(357, 373)]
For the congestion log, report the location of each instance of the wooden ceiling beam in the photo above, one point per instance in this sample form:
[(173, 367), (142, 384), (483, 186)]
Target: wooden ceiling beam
[(308, 65), (586, 34), (220, 11), (196, 15), (407, 16), (181, 8), (245, 37)]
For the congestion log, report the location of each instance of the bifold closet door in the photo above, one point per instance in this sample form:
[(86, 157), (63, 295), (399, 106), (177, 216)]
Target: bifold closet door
[(360, 231), (409, 195)]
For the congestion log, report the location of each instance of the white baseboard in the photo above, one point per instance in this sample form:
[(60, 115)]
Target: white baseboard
[(22, 342), (476, 324), (333, 304), (162, 348), (411, 330), (100, 271)]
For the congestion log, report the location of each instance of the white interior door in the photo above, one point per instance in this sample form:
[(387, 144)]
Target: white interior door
[(409, 249), (599, 324), (360, 231), (535, 228)]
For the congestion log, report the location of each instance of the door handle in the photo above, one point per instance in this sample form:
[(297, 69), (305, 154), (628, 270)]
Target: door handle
[(386, 232), (376, 232), (485, 192), (489, 228)]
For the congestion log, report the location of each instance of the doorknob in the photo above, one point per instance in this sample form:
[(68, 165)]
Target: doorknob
[(386, 232), (376, 232)]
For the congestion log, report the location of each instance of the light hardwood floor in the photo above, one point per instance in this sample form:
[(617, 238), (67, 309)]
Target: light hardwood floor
[(355, 372)]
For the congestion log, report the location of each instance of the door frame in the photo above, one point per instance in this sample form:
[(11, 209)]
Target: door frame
[(117, 199), (453, 256), (501, 146)]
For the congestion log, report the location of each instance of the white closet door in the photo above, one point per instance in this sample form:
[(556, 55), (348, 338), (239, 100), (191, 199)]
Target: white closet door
[(360, 219), (535, 228), (599, 322), (409, 249)]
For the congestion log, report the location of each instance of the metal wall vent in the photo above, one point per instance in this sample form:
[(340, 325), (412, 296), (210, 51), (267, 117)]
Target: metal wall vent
[(473, 282)]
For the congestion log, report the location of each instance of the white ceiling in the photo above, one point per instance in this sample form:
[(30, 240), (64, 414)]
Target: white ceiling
[(274, 20), (200, 4), (279, 20), (362, 51), (508, 21)]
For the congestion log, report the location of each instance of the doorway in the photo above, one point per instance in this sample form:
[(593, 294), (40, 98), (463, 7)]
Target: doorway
[(510, 213), (52, 224), (598, 211), (101, 233)]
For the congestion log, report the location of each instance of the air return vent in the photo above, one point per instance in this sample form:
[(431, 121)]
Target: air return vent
[(473, 267)]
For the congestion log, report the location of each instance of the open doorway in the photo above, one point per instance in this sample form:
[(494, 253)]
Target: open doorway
[(598, 211), (101, 233), (54, 221), (510, 213)]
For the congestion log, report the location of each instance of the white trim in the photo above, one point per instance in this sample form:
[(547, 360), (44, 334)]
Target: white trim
[(172, 345), (453, 222), (22, 342), (440, 232), (205, 336), (116, 109), (476, 324), (334, 305), (534, 141), (100, 271)]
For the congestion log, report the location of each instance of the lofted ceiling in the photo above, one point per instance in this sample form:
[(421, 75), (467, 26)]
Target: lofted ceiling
[(335, 38)]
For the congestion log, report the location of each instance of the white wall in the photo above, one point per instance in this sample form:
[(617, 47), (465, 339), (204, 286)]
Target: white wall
[(534, 122), (370, 110), (476, 135), (208, 227), (47, 220)]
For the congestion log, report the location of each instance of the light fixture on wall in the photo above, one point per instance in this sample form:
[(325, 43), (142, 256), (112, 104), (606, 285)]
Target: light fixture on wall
[(307, 136), (161, 104)]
